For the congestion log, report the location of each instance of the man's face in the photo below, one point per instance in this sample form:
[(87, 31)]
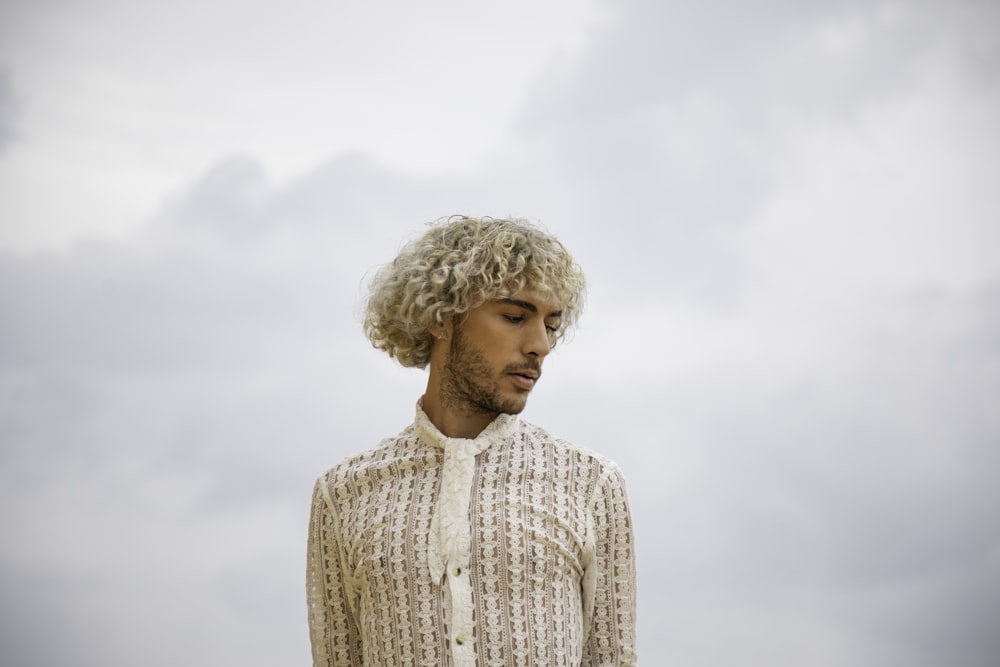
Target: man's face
[(496, 353)]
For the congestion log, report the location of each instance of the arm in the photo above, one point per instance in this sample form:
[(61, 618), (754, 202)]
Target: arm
[(333, 631), (609, 579)]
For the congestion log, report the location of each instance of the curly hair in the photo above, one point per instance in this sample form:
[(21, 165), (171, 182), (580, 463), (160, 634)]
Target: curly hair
[(459, 264)]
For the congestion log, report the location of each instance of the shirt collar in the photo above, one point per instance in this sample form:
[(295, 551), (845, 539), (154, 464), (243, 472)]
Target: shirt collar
[(499, 430)]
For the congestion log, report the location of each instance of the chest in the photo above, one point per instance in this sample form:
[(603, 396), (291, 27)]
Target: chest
[(527, 517)]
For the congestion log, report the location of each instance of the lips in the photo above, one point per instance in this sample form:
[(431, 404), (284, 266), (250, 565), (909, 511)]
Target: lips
[(525, 378)]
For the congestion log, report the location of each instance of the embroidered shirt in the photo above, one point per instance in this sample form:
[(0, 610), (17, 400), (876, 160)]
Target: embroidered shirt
[(511, 549)]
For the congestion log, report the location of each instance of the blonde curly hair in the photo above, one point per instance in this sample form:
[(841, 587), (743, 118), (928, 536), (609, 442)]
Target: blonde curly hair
[(457, 265)]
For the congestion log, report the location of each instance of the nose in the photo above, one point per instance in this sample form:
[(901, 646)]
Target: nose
[(537, 341)]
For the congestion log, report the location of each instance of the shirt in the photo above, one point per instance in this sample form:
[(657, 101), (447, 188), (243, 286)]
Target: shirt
[(514, 548)]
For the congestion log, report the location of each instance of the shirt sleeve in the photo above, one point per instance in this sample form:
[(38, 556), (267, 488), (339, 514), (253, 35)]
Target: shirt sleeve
[(609, 578), (333, 631)]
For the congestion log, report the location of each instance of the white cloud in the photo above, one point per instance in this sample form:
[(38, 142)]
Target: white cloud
[(901, 198), (802, 397), (123, 101)]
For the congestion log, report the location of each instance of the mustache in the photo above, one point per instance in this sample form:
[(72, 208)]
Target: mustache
[(518, 368)]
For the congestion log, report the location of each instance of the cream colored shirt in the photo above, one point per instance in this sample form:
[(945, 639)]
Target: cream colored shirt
[(511, 549)]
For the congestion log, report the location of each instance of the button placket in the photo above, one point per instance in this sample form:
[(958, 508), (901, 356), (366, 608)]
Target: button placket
[(450, 538)]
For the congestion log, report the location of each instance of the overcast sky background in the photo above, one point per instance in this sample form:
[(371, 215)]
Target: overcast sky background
[(789, 213)]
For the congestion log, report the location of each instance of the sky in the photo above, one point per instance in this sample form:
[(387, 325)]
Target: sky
[(788, 216)]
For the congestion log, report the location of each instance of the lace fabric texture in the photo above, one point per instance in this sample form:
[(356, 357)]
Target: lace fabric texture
[(511, 549)]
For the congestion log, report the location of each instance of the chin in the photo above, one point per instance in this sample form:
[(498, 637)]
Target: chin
[(514, 407)]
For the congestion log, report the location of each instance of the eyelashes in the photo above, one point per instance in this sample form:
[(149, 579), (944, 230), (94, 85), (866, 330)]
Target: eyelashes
[(518, 319)]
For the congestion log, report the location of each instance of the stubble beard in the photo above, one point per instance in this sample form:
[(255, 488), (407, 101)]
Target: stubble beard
[(471, 386)]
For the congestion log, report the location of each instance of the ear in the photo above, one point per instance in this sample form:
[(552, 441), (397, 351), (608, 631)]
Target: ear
[(441, 331)]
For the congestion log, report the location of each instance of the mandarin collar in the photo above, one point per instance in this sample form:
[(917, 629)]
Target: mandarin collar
[(498, 431)]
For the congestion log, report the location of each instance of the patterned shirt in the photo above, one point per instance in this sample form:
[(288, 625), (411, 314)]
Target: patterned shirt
[(511, 549)]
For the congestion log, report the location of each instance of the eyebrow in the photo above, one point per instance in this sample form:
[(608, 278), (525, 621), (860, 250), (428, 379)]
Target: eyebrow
[(527, 305)]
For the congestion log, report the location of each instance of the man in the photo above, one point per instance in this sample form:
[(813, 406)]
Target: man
[(473, 538)]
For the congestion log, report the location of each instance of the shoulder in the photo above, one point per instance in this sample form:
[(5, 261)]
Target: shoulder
[(581, 458), (352, 471)]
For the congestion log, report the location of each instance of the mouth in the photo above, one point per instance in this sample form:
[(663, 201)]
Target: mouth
[(525, 378)]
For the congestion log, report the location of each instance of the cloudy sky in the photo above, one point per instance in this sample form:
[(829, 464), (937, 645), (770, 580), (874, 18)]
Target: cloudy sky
[(789, 214)]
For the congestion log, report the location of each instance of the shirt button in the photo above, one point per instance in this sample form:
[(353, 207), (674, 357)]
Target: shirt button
[(460, 640), (456, 571)]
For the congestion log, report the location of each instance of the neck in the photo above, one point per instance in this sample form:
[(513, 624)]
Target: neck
[(452, 420)]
